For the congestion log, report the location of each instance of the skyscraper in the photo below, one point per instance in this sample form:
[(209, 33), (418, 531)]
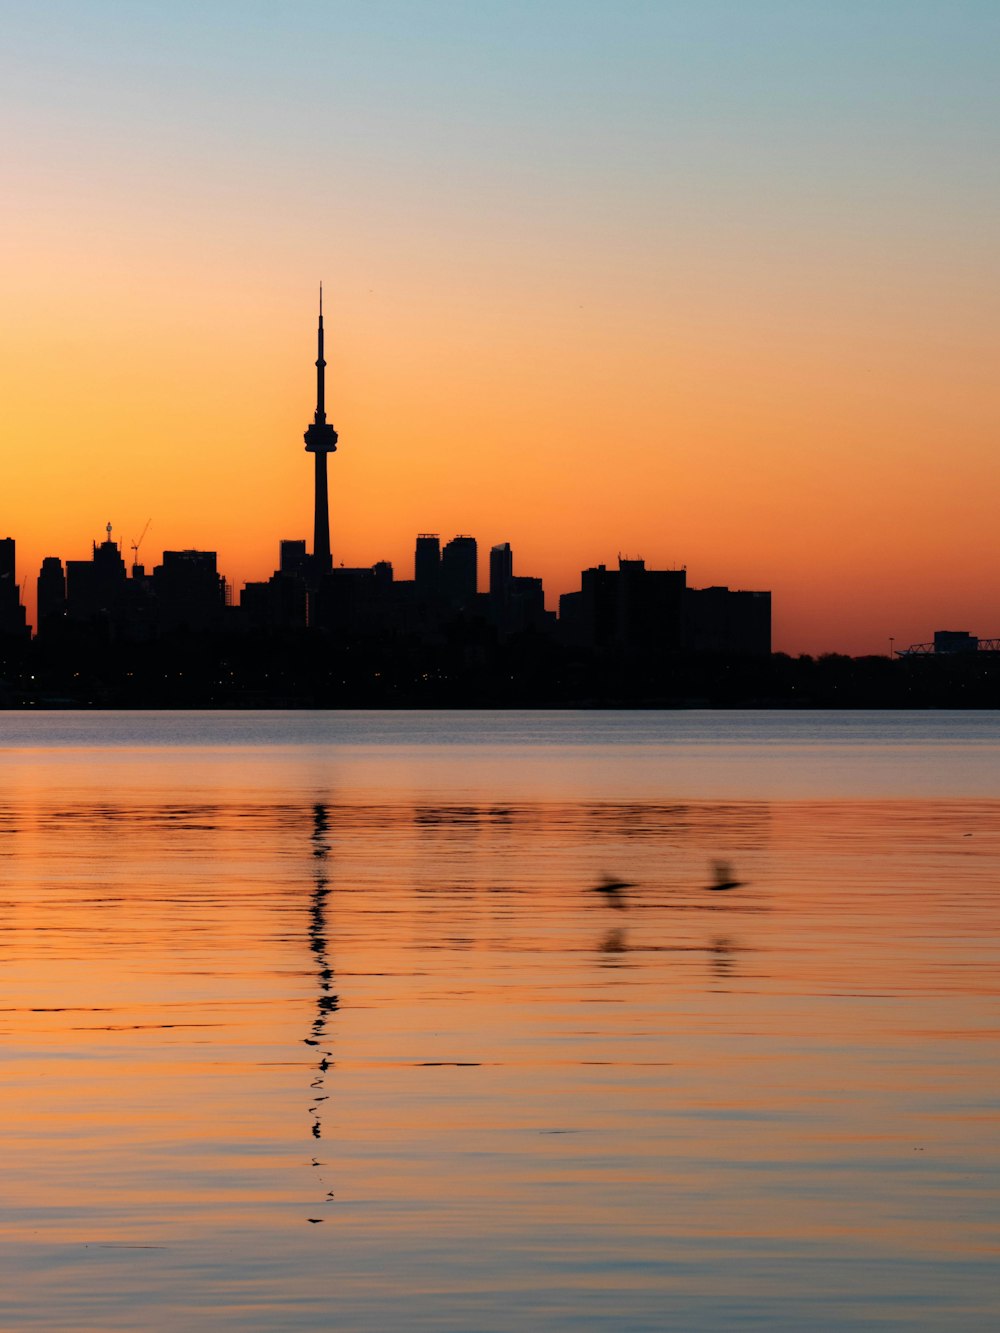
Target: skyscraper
[(501, 572), (190, 591), (7, 561), (459, 572), (12, 619), (321, 439), (95, 588), (427, 565), (51, 593), (292, 558)]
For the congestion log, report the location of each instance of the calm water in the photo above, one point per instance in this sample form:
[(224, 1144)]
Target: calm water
[(320, 1021)]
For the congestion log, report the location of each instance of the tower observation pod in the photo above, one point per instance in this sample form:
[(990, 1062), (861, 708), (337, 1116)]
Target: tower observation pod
[(321, 439)]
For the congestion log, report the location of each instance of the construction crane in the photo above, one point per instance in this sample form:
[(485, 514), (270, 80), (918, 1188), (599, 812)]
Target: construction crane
[(136, 545)]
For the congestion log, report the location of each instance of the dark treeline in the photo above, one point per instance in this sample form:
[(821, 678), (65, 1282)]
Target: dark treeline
[(468, 668)]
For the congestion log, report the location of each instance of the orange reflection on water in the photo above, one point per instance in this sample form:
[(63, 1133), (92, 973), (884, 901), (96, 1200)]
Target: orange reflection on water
[(298, 1037)]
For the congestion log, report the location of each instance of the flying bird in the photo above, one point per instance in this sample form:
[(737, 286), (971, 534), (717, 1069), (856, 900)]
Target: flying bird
[(723, 876)]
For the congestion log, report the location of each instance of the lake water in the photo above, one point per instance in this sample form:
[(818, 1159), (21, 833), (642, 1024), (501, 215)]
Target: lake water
[(320, 1021)]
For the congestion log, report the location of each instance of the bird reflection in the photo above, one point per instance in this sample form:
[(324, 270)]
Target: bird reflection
[(326, 1000), (723, 951), (613, 892)]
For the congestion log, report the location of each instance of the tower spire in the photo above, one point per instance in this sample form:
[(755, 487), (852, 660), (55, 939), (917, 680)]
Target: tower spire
[(320, 366)]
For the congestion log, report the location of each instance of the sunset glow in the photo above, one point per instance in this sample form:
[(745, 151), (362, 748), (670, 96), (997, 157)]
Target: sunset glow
[(712, 285)]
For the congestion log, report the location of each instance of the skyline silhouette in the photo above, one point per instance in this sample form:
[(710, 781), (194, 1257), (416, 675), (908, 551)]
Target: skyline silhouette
[(628, 611), (631, 613), (715, 609)]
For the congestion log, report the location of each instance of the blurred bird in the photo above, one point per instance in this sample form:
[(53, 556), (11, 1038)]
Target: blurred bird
[(723, 876), (613, 890)]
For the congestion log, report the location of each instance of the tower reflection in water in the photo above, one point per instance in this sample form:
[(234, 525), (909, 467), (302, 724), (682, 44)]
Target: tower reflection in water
[(326, 1001)]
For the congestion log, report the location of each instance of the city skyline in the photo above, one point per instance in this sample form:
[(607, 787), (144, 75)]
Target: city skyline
[(638, 619), (314, 565), (711, 288)]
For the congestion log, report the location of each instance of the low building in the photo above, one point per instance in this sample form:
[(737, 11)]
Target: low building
[(630, 610), (727, 622), (635, 611)]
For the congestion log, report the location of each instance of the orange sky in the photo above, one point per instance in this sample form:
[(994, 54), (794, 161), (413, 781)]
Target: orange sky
[(656, 331)]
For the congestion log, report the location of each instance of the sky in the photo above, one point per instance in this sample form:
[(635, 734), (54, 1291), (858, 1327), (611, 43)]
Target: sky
[(713, 284)]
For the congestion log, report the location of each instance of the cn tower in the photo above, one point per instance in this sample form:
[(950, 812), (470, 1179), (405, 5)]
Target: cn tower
[(321, 439)]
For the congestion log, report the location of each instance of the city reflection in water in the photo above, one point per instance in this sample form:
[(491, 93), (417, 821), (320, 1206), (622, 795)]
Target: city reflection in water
[(552, 1070)]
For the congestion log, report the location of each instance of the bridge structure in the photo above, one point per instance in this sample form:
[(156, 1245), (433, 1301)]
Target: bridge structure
[(950, 645)]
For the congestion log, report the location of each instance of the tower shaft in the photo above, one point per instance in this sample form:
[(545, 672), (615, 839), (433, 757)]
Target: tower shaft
[(322, 559)]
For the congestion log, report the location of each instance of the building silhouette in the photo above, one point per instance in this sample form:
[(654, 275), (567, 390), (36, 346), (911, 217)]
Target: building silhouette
[(727, 622), (355, 603), (13, 622), (51, 593), (516, 604), (459, 573), (279, 605), (501, 572), (427, 566), (96, 588), (292, 558), (101, 599), (189, 593), (637, 611), (630, 609)]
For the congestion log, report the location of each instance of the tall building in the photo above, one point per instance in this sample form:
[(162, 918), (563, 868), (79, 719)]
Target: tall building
[(515, 605), (12, 618), (321, 439), (95, 588), (51, 594), (292, 558), (427, 565), (189, 591), (501, 572), (459, 572)]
